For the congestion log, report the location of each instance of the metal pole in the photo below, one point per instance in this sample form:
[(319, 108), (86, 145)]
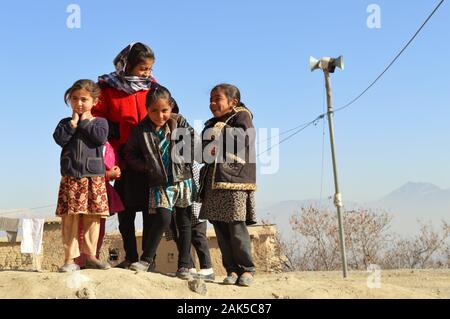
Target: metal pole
[(337, 196)]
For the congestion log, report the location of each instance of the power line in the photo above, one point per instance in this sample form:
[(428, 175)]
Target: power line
[(362, 93), (392, 62), (284, 132), (304, 126)]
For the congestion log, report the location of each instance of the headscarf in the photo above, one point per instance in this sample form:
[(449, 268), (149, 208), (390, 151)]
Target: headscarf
[(121, 81)]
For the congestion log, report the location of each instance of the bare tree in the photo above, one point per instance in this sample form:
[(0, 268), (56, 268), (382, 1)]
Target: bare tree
[(365, 236), (315, 242), (318, 233), (428, 249)]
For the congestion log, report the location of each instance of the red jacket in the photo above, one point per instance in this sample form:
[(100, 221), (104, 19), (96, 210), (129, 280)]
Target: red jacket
[(122, 109)]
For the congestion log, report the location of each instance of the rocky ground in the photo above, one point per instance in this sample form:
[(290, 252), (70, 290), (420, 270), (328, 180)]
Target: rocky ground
[(118, 283)]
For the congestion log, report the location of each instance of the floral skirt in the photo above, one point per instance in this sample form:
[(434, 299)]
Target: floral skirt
[(85, 195)]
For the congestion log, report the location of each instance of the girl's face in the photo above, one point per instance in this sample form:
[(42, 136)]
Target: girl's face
[(82, 101), (159, 112), (219, 103), (143, 69)]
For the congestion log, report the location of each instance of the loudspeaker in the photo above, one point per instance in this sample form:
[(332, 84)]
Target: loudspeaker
[(313, 63), (339, 62)]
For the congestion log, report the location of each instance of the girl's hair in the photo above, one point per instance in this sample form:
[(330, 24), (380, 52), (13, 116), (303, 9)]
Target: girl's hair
[(230, 91), (88, 85), (175, 108), (157, 92), (138, 54)]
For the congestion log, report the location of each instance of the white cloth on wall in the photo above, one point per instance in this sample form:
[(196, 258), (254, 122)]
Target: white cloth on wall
[(32, 232)]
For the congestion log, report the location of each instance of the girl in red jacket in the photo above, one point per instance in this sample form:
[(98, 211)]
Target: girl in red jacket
[(122, 103)]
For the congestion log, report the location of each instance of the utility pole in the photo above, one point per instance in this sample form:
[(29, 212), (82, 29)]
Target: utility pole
[(328, 66)]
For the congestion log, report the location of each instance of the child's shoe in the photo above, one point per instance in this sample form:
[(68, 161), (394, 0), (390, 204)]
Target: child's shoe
[(97, 264), (152, 267), (206, 274), (69, 268), (183, 273), (124, 264), (231, 279), (193, 271), (246, 279), (140, 266)]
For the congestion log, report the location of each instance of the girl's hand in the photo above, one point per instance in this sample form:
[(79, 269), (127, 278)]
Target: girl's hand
[(86, 116), (114, 173), (75, 119)]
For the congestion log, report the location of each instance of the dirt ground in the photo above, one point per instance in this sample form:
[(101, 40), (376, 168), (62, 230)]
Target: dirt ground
[(118, 283)]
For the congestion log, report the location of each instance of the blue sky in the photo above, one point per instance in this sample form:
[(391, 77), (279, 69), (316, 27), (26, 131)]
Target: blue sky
[(395, 133)]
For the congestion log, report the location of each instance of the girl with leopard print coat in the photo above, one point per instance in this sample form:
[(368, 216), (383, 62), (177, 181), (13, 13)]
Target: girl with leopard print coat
[(228, 181)]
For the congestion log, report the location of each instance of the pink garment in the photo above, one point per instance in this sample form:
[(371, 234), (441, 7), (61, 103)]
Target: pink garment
[(110, 156), (114, 201)]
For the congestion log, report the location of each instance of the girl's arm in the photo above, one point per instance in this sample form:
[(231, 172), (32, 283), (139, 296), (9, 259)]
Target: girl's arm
[(132, 153), (64, 132), (237, 138), (95, 130)]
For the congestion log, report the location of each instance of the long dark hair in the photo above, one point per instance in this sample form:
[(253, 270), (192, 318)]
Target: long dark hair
[(138, 54), (230, 91), (157, 92)]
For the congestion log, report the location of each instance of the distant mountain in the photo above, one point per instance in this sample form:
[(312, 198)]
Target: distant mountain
[(415, 201), (407, 204)]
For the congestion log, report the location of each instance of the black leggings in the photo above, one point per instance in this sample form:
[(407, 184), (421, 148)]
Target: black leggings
[(198, 240), (126, 227), (160, 224)]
